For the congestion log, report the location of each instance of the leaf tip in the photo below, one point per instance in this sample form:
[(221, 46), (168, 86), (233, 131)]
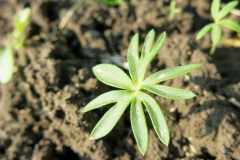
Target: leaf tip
[(92, 138), (84, 110), (143, 152)]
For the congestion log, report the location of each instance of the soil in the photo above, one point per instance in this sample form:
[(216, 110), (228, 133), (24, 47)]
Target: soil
[(41, 119)]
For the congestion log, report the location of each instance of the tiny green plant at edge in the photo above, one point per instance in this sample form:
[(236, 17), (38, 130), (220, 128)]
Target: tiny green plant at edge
[(18, 38), (173, 9), (218, 15), (110, 2), (133, 92)]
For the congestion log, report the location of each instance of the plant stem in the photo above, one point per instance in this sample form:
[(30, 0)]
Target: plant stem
[(213, 48)]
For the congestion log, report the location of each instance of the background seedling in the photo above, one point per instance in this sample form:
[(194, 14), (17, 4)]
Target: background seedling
[(173, 9), (112, 2), (133, 92), (18, 38), (218, 15)]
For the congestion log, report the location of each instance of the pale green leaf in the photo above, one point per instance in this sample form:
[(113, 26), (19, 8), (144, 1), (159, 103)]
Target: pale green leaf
[(226, 9), (147, 46), (169, 92), (6, 65), (216, 34), (106, 73), (110, 119), (22, 20), (139, 126), (156, 116), (158, 45), (147, 59), (107, 98), (215, 6), (170, 73), (204, 31), (133, 58), (230, 24)]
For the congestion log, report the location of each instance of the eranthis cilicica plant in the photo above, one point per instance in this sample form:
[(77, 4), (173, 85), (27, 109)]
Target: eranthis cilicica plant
[(218, 15), (132, 92)]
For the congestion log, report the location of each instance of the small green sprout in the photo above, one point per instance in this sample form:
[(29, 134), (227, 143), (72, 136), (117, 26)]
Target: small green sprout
[(173, 9), (112, 2), (133, 92), (218, 15), (18, 38)]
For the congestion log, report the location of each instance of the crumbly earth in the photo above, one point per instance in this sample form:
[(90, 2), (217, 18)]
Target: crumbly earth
[(40, 108)]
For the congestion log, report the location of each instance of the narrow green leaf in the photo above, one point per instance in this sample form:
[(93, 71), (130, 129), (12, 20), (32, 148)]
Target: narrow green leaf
[(6, 65), (170, 73), (139, 125), (107, 98), (110, 119), (147, 46), (158, 45), (230, 24), (147, 59), (156, 116), (169, 92), (133, 58), (216, 34), (215, 9), (204, 31), (226, 9), (106, 73), (22, 20)]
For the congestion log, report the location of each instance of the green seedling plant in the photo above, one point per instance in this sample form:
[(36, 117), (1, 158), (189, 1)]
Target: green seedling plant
[(17, 41), (112, 2), (133, 92), (219, 20), (173, 9)]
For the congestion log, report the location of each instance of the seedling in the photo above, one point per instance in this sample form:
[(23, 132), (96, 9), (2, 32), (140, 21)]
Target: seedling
[(133, 92), (173, 9), (112, 2), (17, 37), (218, 15), (109, 2)]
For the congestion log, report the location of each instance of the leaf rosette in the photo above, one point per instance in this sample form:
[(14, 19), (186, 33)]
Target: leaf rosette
[(132, 92)]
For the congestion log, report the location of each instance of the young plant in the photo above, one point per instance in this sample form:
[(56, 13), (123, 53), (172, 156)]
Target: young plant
[(173, 9), (112, 2), (218, 17), (134, 92), (17, 36)]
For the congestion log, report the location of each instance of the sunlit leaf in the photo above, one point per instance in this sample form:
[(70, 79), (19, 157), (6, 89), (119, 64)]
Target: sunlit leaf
[(133, 58), (226, 9), (204, 31), (215, 9), (169, 92), (216, 34), (147, 46), (107, 98), (170, 73), (139, 126), (146, 60), (106, 73), (22, 20), (230, 24), (156, 116), (6, 65), (110, 119)]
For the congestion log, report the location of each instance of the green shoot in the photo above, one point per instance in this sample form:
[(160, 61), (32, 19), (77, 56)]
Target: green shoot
[(218, 15), (132, 92), (18, 38), (173, 9)]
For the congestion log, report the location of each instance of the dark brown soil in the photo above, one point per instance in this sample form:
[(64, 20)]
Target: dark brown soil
[(40, 108)]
